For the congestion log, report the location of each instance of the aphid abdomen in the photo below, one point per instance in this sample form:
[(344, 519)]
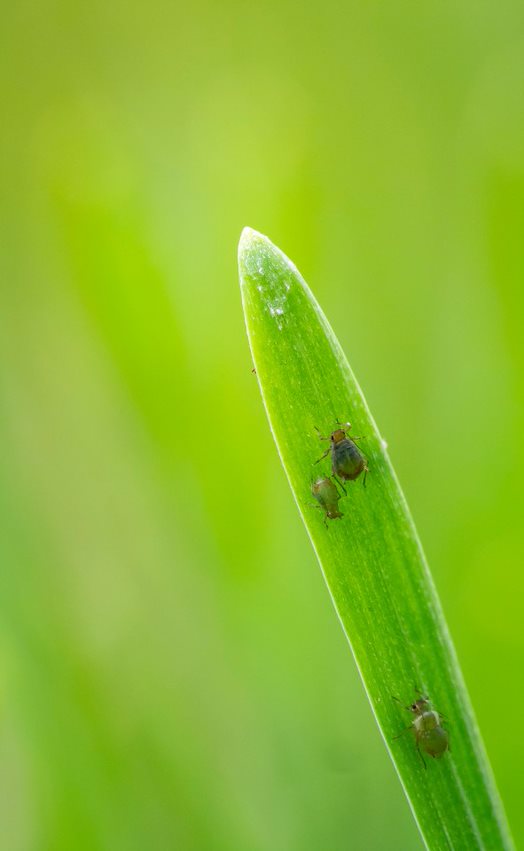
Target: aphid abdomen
[(430, 736), (347, 461), (434, 742), (327, 495)]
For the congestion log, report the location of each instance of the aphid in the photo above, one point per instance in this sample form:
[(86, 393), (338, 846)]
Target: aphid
[(347, 461), (429, 734), (327, 496)]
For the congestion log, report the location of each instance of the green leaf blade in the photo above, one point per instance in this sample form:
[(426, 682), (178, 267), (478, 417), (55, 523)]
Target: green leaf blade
[(372, 560)]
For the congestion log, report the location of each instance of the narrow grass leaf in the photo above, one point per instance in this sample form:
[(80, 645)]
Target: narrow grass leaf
[(371, 558)]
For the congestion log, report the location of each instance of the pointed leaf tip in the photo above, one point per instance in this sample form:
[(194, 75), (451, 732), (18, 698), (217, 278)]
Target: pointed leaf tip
[(246, 234), (259, 259), (248, 239)]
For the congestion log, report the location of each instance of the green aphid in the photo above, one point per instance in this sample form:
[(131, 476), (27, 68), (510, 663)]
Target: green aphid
[(347, 461), (327, 496), (429, 734)]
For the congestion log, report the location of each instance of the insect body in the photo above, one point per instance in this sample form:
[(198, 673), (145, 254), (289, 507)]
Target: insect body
[(327, 496), (347, 461), (429, 734)]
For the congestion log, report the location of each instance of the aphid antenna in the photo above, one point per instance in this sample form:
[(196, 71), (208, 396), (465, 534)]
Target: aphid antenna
[(422, 758), (407, 708), (445, 717), (425, 697), (348, 427)]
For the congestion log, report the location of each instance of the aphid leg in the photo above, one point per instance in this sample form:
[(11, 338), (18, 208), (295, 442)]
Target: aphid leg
[(319, 508), (340, 484), (405, 730), (336, 480), (320, 436), (324, 455), (366, 471), (422, 758)]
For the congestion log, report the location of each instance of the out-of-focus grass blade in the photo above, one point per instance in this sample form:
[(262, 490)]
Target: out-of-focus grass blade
[(371, 558)]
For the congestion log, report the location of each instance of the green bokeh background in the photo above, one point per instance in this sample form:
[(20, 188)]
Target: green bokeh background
[(172, 675)]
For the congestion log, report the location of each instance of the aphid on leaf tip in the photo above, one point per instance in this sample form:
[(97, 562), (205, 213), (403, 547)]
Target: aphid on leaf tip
[(429, 734), (347, 461), (326, 494)]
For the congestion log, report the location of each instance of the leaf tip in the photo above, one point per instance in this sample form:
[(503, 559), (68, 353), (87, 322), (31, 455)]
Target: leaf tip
[(250, 240), (259, 260), (247, 235)]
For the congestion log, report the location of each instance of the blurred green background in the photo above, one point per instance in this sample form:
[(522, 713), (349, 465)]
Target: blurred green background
[(172, 674)]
